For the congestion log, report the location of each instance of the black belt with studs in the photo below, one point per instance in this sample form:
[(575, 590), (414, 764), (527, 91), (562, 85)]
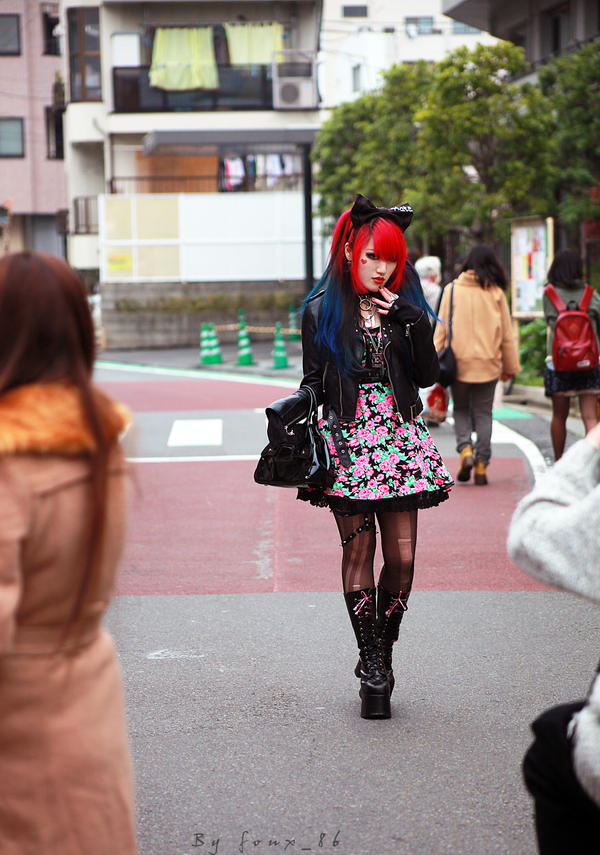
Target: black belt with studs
[(341, 446)]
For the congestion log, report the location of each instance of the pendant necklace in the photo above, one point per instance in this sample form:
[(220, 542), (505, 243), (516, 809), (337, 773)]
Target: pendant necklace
[(377, 351)]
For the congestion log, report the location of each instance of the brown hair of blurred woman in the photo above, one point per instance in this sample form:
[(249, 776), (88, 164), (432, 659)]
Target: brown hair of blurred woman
[(47, 336)]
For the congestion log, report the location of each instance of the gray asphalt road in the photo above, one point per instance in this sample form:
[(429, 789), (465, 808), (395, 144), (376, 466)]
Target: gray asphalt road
[(244, 717), (244, 711)]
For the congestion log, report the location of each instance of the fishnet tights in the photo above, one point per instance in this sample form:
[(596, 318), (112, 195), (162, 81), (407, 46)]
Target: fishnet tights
[(398, 544)]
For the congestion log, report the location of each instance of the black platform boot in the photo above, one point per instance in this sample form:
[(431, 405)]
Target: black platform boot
[(390, 611), (374, 686)]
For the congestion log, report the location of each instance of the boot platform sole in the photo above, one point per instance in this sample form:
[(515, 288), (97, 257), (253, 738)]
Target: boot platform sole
[(375, 705)]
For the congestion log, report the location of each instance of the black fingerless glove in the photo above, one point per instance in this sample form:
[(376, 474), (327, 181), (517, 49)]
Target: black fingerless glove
[(403, 312)]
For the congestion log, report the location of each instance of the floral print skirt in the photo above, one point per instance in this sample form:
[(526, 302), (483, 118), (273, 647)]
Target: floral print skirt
[(395, 464)]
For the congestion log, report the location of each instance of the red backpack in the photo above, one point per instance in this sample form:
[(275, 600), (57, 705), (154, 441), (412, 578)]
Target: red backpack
[(575, 347)]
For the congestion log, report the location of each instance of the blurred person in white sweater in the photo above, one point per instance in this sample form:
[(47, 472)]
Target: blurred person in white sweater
[(555, 537)]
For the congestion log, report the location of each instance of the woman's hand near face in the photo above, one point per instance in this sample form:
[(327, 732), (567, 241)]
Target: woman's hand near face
[(385, 300)]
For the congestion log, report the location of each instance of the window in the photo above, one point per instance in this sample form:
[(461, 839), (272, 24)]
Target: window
[(518, 36), (458, 28), (356, 78), (11, 138), (49, 22), (84, 54), (10, 35), (54, 133), (560, 31), (419, 26), (354, 11)]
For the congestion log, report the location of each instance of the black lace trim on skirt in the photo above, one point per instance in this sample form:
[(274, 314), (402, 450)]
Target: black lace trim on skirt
[(411, 502)]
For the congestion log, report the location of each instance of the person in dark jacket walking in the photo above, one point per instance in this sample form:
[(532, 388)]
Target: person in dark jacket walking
[(367, 348)]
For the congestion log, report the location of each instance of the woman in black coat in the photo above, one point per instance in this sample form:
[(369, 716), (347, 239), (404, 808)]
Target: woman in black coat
[(367, 348)]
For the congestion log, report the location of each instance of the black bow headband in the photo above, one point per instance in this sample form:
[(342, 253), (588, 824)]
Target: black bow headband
[(363, 211)]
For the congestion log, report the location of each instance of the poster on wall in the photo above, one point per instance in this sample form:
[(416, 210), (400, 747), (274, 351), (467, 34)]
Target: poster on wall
[(531, 253)]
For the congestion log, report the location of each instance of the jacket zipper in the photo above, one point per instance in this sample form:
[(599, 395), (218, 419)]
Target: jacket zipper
[(410, 341)]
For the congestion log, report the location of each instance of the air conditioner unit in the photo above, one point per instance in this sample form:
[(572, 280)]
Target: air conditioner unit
[(295, 81)]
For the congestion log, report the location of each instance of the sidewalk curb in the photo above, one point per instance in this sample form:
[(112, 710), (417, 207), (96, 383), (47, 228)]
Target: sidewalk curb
[(528, 395)]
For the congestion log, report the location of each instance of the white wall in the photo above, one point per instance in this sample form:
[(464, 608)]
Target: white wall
[(219, 238)]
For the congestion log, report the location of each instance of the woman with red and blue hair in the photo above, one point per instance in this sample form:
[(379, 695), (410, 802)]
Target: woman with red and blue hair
[(367, 348)]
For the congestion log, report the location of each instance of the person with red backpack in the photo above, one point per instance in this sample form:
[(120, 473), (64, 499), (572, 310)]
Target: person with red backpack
[(572, 312)]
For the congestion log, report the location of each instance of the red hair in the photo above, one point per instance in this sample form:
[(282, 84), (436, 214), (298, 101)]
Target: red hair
[(388, 243)]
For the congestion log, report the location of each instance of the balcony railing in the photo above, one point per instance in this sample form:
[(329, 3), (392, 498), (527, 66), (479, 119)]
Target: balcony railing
[(211, 183), (241, 87)]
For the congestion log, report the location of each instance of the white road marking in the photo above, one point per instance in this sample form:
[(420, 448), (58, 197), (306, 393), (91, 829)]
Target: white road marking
[(502, 433), (200, 375), (165, 653), (190, 432)]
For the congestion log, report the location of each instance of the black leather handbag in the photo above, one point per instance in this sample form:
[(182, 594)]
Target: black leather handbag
[(446, 356), (299, 460)]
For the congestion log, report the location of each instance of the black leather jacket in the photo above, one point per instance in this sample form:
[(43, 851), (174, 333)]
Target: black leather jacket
[(409, 354)]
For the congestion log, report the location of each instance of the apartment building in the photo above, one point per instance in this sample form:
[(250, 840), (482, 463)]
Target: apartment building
[(33, 197), (188, 130), (361, 40), (544, 28)]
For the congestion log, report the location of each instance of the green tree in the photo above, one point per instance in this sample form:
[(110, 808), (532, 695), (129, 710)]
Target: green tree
[(369, 145), (335, 154), (572, 86), (483, 145)]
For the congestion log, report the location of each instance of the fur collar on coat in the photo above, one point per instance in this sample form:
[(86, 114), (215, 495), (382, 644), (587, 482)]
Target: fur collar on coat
[(47, 418)]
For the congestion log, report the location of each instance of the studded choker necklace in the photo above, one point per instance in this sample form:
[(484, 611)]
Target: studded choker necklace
[(368, 312)]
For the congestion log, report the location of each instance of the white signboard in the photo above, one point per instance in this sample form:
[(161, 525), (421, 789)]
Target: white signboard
[(531, 253)]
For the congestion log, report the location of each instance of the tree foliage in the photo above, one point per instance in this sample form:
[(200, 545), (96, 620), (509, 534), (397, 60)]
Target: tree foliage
[(482, 144), (468, 145), (571, 85), (369, 145)]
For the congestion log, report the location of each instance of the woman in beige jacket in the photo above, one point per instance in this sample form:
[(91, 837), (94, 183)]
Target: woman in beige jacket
[(485, 351), (65, 769)]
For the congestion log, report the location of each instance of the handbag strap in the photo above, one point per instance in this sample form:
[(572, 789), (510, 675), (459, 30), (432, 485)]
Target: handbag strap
[(450, 316), (311, 416)]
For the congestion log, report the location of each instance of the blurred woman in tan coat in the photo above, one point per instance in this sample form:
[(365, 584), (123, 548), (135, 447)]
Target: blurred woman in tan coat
[(65, 770), (485, 351)]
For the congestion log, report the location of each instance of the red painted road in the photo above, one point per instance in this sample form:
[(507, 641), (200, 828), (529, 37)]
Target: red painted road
[(154, 396), (206, 527)]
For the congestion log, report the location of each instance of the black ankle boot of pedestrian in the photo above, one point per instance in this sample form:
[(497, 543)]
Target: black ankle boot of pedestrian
[(390, 611), (374, 686)]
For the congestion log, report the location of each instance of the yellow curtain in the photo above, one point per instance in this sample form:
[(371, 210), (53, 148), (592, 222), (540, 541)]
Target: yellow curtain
[(184, 58), (253, 44)]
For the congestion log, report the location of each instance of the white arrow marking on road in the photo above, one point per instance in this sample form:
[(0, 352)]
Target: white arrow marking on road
[(190, 432)]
